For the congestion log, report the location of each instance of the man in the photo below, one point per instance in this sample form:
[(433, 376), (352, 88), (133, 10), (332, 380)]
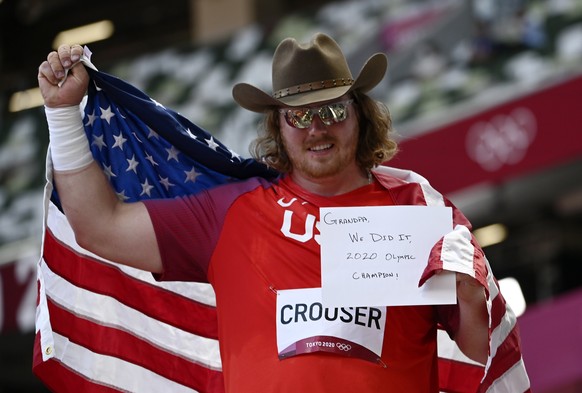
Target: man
[(327, 137)]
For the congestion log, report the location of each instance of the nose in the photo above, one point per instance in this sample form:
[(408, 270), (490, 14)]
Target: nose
[(317, 125)]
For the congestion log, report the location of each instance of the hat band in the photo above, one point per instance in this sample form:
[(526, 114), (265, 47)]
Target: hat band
[(312, 86)]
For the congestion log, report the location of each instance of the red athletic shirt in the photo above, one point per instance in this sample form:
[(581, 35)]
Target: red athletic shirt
[(254, 238)]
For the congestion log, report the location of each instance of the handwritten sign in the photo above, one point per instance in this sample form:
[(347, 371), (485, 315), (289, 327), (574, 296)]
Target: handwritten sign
[(375, 255)]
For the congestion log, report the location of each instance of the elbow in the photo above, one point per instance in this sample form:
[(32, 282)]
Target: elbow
[(86, 240), (478, 355), (474, 344), (83, 241)]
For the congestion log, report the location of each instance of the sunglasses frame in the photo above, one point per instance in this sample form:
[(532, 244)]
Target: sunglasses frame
[(311, 112)]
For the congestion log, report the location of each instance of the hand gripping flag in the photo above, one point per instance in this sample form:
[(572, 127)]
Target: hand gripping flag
[(105, 327)]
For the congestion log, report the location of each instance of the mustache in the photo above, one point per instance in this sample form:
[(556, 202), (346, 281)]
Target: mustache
[(320, 141)]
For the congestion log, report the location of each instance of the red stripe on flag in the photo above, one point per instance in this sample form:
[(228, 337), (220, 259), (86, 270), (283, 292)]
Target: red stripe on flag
[(100, 277), (59, 378), (498, 309), (37, 352), (507, 355), (124, 345)]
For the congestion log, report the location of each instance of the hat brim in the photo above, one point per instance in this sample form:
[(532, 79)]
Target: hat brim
[(256, 100)]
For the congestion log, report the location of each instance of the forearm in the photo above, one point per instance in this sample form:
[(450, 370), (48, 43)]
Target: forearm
[(85, 194), (472, 335), (88, 201)]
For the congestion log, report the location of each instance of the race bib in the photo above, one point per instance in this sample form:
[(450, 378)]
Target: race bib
[(305, 325)]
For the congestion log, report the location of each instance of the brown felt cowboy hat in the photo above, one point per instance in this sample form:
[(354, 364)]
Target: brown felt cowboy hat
[(308, 73)]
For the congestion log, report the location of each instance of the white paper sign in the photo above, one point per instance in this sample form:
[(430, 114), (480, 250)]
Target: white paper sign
[(375, 255)]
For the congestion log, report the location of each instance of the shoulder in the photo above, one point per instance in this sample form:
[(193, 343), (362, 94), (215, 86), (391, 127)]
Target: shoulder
[(408, 187), (213, 196), (223, 196), (239, 187)]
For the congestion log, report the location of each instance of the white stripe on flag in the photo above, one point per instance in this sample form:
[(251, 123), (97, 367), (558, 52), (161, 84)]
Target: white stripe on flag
[(507, 322), (197, 291), (431, 196), (111, 371), (100, 308), (457, 251), (513, 380), (502, 331), (43, 323)]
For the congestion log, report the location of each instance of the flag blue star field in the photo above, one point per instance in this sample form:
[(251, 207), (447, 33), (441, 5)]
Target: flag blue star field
[(148, 151), (102, 326)]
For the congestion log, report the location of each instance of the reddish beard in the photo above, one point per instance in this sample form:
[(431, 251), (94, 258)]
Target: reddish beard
[(315, 167)]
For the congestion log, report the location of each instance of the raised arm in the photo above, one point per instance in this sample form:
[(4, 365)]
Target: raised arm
[(102, 224)]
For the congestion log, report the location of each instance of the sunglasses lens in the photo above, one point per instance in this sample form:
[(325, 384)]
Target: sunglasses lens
[(329, 114), (299, 118), (333, 113)]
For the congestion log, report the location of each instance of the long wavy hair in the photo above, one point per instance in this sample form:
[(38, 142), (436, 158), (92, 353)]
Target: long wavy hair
[(375, 142)]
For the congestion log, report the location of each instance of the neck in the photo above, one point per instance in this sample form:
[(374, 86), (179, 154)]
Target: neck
[(332, 185)]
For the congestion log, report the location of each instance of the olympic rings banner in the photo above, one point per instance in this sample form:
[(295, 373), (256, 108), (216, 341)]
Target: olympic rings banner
[(520, 136)]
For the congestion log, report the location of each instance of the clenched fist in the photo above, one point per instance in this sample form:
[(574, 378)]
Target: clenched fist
[(53, 70)]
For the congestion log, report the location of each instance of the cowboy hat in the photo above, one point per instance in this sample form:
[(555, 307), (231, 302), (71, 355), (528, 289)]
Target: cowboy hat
[(308, 73)]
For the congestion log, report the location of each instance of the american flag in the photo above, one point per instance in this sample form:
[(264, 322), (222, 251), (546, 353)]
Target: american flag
[(105, 327)]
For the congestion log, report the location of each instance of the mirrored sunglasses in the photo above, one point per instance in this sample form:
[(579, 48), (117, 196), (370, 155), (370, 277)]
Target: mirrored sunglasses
[(329, 114)]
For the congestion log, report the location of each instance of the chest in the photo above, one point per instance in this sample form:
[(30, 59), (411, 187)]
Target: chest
[(274, 240)]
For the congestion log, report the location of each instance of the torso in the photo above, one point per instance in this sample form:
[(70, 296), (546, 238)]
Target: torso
[(267, 242)]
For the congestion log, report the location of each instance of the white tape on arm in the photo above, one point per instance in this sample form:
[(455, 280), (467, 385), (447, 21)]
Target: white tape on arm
[(68, 143)]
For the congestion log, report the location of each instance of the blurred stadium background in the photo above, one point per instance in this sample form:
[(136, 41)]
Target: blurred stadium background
[(486, 97)]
